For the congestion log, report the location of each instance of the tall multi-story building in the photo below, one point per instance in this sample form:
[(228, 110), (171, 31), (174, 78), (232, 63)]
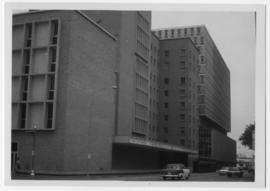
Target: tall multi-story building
[(213, 97), (82, 92)]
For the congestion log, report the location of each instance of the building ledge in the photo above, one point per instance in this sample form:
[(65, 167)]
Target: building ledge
[(128, 140)]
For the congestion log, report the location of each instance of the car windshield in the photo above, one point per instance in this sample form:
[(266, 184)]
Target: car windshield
[(174, 166)]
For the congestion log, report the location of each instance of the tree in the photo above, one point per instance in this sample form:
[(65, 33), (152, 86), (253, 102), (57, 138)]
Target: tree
[(246, 137)]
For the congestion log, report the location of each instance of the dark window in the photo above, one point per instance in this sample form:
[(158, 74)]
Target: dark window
[(25, 88), (166, 52), (166, 129), (166, 105), (179, 32), (166, 33), (198, 31), (166, 93), (23, 115), (182, 65), (166, 117), (53, 54), (159, 34), (14, 147), (172, 33), (183, 80), (26, 61), (195, 40), (49, 115), (185, 31), (51, 88), (202, 40), (55, 27), (182, 104), (201, 79), (182, 142), (28, 36), (166, 80), (183, 52), (182, 116), (191, 31)]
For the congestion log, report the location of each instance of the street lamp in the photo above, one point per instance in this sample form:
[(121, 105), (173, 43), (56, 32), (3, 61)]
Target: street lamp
[(33, 132), (92, 96)]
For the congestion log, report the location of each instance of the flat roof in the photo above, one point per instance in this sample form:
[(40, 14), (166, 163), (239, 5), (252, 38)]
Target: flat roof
[(128, 140)]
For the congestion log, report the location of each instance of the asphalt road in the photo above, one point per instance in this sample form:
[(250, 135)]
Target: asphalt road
[(146, 177)]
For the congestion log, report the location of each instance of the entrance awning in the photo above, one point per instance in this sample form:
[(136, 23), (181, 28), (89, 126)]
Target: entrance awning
[(127, 140)]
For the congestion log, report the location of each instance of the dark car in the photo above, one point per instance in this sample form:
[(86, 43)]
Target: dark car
[(223, 170), (234, 172)]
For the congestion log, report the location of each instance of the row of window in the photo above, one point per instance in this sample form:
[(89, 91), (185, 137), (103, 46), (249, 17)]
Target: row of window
[(178, 32), (29, 33), (49, 115)]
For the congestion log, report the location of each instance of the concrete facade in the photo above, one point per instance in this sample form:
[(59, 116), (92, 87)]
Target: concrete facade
[(213, 94), (83, 109), (91, 89)]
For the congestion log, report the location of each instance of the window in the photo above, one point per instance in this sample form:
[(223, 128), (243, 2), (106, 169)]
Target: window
[(49, 115), (166, 80), (201, 79), (166, 33), (52, 59), (182, 142), (182, 65), (191, 31), (166, 105), (185, 31), (201, 99), (166, 93), (165, 129), (172, 33), (182, 92), (51, 88), (179, 32), (183, 80), (183, 132), (25, 88), (28, 36), (159, 34), (183, 52), (182, 104), (195, 40), (167, 63), (166, 53), (198, 31), (54, 32), (166, 117), (182, 116), (202, 59), (26, 61), (202, 40), (22, 115)]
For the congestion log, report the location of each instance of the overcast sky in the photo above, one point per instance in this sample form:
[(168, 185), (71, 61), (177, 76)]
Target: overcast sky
[(234, 35)]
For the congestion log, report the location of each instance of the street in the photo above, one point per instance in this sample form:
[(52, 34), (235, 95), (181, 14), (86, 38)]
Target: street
[(212, 176)]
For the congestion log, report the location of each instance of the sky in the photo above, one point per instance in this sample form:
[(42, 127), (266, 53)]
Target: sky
[(234, 36)]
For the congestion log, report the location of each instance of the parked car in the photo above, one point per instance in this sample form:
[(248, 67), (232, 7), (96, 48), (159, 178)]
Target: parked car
[(235, 171), (176, 171), (223, 170)]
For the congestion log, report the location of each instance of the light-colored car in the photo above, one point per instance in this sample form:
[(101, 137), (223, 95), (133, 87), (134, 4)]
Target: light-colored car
[(223, 170), (176, 171)]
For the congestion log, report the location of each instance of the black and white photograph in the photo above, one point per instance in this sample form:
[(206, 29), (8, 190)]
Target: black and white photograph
[(156, 94)]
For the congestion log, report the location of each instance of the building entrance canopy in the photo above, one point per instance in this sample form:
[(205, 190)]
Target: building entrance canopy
[(128, 140)]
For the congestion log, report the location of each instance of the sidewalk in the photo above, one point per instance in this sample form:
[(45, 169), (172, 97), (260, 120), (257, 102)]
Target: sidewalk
[(112, 172)]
